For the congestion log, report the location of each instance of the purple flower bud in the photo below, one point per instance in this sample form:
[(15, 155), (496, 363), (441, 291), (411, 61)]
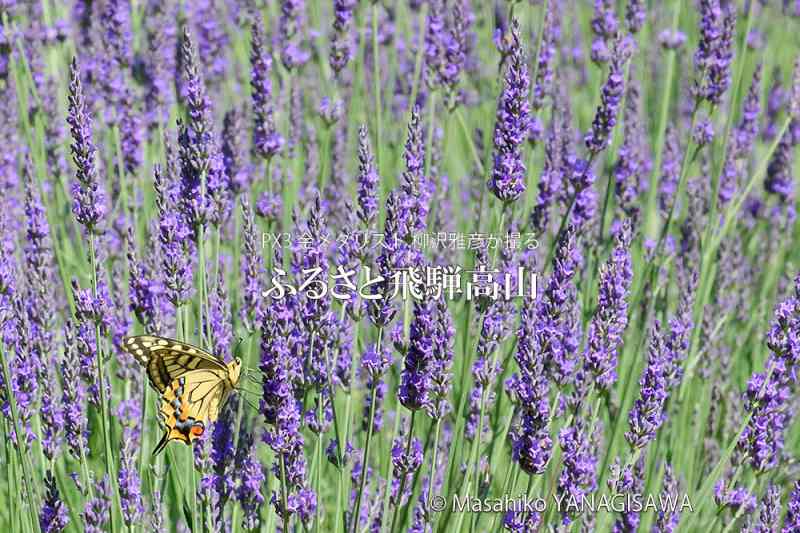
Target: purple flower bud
[(97, 512), (54, 516), (266, 140), (703, 133), (368, 180), (507, 181), (672, 39), (341, 41), (792, 520), (130, 494), (605, 118), (88, 202), (406, 461)]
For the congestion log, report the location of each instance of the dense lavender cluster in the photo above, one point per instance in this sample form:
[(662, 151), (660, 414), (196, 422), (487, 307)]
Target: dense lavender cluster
[(434, 249)]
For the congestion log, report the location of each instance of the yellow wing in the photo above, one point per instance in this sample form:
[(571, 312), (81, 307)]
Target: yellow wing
[(190, 403), (167, 359)]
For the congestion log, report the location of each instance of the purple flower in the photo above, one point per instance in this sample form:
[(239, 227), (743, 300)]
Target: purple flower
[(443, 337), (605, 118), (703, 133), (556, 324), (633, 164), (792, 520), (53, 517), (381, 309), (558, 136), (235, 151), (671, 39), (341, 40), (627, 481), (413, 208), (159, 61), (374, 365), (507, 181), (269, 207), (670, 171), (406, 460), (97, 512), (202, 169), (73, 397), (578, 475), (484, 374), (734, 498), (290, 27), (252, 479), (551, 28), (130, 494), (769, 514), (713, 55), (604, 22), (609, 321), (415, 380), (252, 270), (175, 242), (520, 522), (779, 180), (368, 180), (330, 111), (40, 311), (88, 202), (212, 39), (266, 140), (667, 519), (776, 99), (218, 329), (282, 413), (531, 444), (635, 15), (719, 71), (647, 413), (116, 39), (143, 289)]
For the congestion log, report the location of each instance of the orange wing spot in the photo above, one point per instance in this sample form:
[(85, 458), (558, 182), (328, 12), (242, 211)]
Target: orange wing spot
[(198, 429)]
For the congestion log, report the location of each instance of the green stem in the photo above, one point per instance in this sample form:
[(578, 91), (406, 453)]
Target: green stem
[(365, 461), (399, 503), (104, 412), (432, 477)]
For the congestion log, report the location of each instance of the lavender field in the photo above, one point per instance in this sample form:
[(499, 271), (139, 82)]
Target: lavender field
[(457, 265)]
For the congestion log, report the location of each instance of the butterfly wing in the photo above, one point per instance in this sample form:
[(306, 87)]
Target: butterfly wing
[(190, 402), (167, 359)]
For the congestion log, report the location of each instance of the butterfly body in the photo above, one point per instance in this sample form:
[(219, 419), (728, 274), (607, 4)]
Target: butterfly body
[(193, 384)]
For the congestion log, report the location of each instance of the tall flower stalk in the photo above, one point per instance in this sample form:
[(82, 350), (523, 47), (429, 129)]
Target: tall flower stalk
[(89, 209)]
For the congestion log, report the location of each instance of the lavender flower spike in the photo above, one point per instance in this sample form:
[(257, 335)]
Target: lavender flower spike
[(647, 413), (87, 196), (266, 140), (341, 41), (415, 385), (792, 521), (611, 317), (368, 180), (54, 517), (605, 118), (507, 181)]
